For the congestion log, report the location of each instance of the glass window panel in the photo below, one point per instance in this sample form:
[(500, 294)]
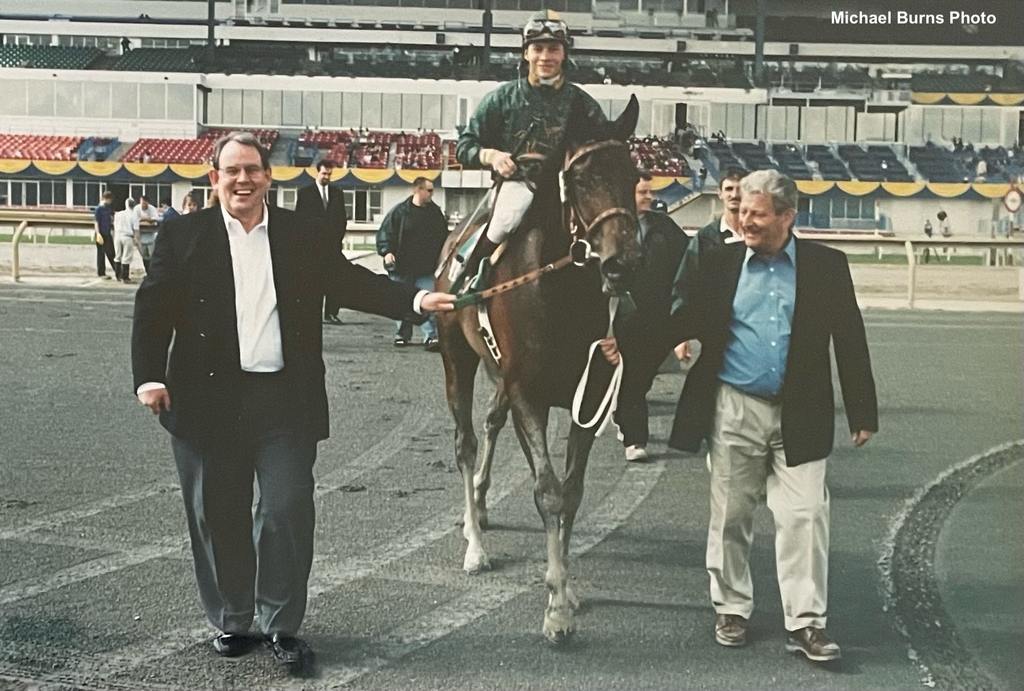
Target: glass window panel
[(332, 109), (69, 99), (252, 107), (391, 110), (126, 100), (430, 117), (46, 192), (449, 111), (14, 100), (215, 107), (867, 209), (40, 99), (152, 101), (352, 110), (371, 110), (179, 102), (60, 193), (96, 100), (312, 107), (411, 111), (16, 193), (291, 107), (232, 114), (78, 194), (272, 107), (5, 193), (31, 194)]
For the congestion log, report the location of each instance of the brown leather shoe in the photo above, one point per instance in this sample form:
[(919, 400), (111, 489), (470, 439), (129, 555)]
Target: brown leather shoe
[(730, 630), (814, 643)]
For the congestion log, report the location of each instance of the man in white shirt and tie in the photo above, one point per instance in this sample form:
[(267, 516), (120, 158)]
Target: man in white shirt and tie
[(322, 203), (237, 288)]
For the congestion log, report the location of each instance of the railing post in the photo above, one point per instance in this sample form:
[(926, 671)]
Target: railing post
[(15, 257), (911, 273)]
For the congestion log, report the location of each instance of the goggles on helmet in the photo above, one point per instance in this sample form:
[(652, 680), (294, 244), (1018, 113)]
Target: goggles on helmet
[(546, 29)]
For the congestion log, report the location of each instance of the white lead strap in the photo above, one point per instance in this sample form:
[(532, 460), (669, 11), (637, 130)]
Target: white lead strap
[(606, 410)]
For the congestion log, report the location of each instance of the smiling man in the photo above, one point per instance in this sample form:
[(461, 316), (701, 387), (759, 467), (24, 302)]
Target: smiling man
[(766, 311), (523, 117), (237, 289)]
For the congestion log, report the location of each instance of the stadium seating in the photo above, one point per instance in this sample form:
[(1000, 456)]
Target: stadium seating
[(158, 60), (418, 151), (938, 164), (830, 167), (659, 156), (161, 150), (878, 163), (39, 147), (48, 57), (791, 161)]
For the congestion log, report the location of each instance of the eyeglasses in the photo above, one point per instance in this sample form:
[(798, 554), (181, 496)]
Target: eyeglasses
[(250, 171), (557, 29)]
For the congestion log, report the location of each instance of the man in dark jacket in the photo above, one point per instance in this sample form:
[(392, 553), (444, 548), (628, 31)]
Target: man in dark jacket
[(237, 290), (646, 338), (761, 395), (104, 236), (321, 203), (410, 239)]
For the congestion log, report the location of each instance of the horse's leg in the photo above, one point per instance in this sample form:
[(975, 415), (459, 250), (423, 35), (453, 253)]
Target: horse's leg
[(497, 416), (460, 365), (577, 453), (530, 421)]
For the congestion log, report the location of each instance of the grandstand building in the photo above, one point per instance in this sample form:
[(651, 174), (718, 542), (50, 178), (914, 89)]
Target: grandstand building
[(129, 96)]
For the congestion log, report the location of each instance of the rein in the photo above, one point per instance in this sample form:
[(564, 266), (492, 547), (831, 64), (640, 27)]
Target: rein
[(580, 251)]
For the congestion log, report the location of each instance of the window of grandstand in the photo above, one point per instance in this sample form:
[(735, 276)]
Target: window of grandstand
[(26, 40), (363, 204), (86, 193), (287, 197), (169, 43), (104, 42), (33, 193), (200, 194), (153, 191), (843, 211)]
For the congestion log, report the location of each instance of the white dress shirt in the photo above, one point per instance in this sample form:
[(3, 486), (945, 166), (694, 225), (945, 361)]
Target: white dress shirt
[(734, 235), (324, 194), (259, 329)]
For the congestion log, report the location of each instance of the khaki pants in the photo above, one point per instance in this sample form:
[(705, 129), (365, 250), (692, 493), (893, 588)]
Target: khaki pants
[(747, 463), (124, 249)]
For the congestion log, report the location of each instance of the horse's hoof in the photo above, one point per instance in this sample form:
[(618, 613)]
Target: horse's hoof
[(559, 627), (476, 562)]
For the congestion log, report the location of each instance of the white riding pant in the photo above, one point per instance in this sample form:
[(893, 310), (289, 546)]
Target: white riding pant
[(513, 200), (124, 249)]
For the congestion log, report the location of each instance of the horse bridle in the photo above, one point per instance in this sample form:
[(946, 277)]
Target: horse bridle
[(578, 227)]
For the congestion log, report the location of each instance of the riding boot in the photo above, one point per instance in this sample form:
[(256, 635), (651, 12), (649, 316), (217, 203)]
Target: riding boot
[(475, 265), (126, 273), (117, 271)]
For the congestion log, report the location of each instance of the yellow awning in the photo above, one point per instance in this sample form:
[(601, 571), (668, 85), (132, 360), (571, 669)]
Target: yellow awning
[(101, 168), (1006, 99), (55, 167), (992, 190), (661, 182), (927, 97), (373, 175), (190, 170), (13, 165), (146, 170), (814, 187), (903, 189), (948, 189), (285, 173), (967, 99), (409, 175), (858, 188)]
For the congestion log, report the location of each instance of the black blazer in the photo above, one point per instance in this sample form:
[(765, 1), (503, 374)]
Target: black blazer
[(189, 295), (310, 204), (825, 311)]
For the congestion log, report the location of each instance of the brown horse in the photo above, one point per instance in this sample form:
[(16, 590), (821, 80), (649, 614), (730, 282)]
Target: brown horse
[(543, 331)]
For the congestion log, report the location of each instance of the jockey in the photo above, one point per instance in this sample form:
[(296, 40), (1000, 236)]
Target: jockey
[(523, 117)]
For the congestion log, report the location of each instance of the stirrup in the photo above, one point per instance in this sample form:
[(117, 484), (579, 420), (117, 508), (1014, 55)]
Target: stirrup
[(476, 282)]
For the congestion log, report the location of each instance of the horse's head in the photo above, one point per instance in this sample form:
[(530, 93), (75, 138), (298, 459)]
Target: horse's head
[(599, 182)]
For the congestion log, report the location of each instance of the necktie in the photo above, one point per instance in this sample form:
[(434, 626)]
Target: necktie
[(323, 191)]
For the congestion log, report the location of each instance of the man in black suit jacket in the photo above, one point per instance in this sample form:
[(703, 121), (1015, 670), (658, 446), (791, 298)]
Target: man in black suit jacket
[(761, 395), (237, 288), (324, 204), (645, 338)]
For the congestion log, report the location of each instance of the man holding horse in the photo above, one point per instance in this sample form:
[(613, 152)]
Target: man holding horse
[(761, 395), (523, 120)]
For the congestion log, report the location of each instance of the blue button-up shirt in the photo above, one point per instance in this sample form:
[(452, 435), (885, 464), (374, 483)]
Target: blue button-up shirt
[(762, 317), (104, 216)]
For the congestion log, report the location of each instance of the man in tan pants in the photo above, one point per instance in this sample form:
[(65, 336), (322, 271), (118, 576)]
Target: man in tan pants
[(761, 396)]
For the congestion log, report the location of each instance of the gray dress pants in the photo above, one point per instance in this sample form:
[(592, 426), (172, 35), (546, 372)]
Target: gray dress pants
[(252, 560)]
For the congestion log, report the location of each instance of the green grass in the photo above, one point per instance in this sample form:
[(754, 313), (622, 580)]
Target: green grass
[(901, 259)]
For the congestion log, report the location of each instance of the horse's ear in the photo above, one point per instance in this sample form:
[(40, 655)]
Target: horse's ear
[(625, 124)]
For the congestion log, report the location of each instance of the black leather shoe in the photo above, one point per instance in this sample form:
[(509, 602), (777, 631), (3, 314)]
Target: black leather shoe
[(814, 643), (233, 644), (287, 650)]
